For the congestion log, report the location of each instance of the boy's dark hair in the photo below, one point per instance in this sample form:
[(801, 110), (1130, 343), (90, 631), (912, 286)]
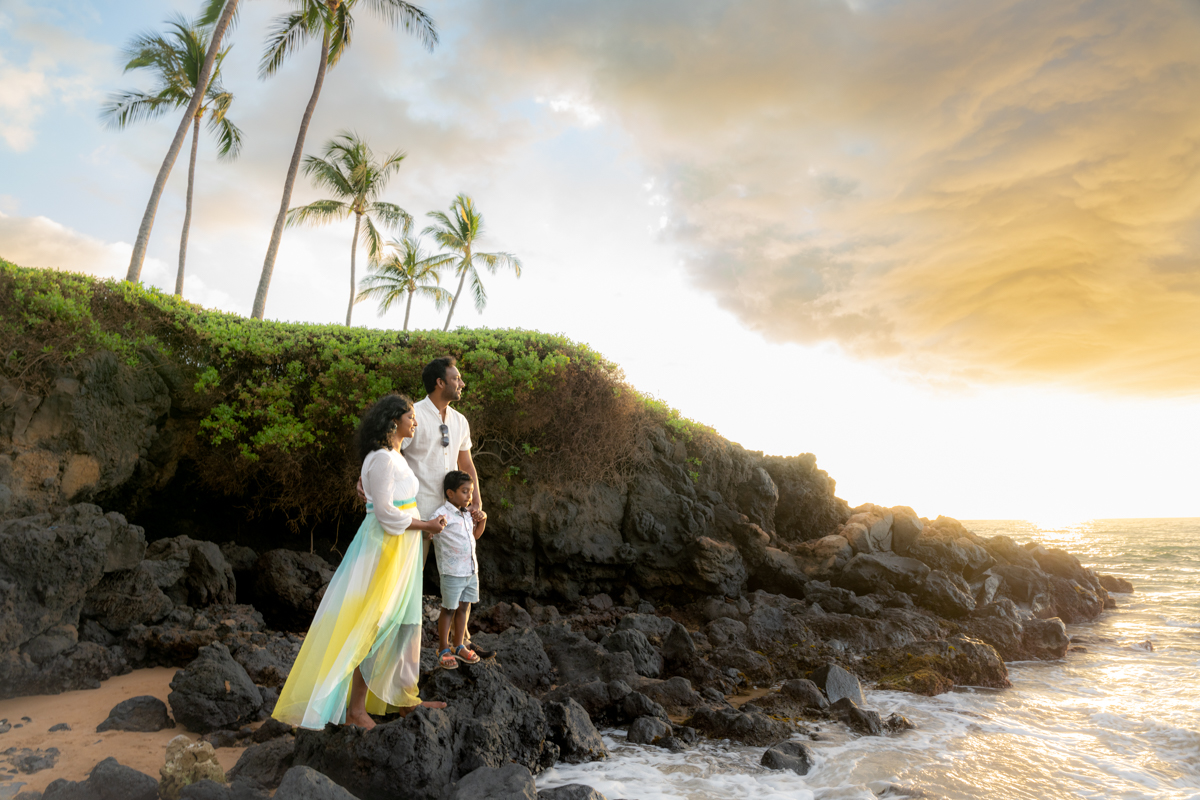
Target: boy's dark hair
[(454, 479), (436, 370), (376, 422)]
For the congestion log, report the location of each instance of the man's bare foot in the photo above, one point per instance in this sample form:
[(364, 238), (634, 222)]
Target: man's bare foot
[(362, 720)]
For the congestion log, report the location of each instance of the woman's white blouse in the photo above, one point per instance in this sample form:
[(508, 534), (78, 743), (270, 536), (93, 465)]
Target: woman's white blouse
[(387, 480)]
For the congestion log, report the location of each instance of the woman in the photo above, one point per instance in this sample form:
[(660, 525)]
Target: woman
[(365, 640)]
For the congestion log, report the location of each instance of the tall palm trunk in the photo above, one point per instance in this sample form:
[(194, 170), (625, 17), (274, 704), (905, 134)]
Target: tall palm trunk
[(462, 280), (408, 308), (187, 215), (264, 281), (353, 249), (143, 237)]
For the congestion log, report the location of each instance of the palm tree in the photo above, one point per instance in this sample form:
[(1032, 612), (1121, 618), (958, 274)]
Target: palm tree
[(333, 21), (219, 14), (176, 60), (407, 271), (458, 232), (350, 171)]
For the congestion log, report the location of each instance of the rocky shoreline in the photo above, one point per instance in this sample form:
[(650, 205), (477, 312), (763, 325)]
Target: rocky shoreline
[(715, 592)]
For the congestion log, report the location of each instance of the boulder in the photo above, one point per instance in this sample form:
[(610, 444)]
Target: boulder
[(938, 554), (187, 762), (211, 790), (794, 698), (127, 598), (796, 756), (906, 527), (876, 524), (142, 713), (576, 658), (647, 661), (1022, 584), (860, 720), (648, 730), (572, 791), (754, 666), (267, 658), (725, 632), (571, 729), (288, 587), (521, 657), (1044, 639), (303, 783), (602, 701), (1112, 583), (821, 558), (1072, 601), (837, 683), (934, 667), (1006, 551), (865, 573), (190, 572), (807, 507), (214, 692), (676, 695), (654, 628), (499, 617), (509, 782), (108, 780), (946, 594), (264, 765), (752, 728)]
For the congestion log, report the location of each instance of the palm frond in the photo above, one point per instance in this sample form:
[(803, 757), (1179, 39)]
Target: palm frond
[(229, 138), (392, 216), (372, 239), (210, 12), (440, 297), (341, 30), (288, 34), (412, 18), (328, 175), (320, 212), (477, 291), (494, 261), (127, 108)]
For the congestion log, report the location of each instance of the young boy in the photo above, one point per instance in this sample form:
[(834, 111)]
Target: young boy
[(457, 568)]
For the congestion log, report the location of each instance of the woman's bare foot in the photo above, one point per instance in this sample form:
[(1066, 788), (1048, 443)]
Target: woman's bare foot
[(406, 710), (362, 720)]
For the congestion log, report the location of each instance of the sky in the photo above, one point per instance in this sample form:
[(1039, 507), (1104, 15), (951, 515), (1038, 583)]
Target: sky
[(950, 248)]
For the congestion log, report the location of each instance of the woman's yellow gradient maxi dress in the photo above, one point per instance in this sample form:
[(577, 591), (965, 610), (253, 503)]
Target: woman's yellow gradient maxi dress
[(371, 613)]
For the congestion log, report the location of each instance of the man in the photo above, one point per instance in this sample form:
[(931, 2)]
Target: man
[(442, 441)]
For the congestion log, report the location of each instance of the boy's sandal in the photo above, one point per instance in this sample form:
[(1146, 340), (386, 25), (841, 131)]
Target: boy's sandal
[(446, 659), (469, 658)]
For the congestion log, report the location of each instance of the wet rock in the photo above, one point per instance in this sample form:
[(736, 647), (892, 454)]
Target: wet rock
[(571, 729), (795, 698), (142, 713), (636, 704), (108, 780), (572, 791), (796, 756), (934, 667), (648, 730), (865, 573), (214, 692), (187, 762), (1072, 601), (509, 782), (263, 765), (860, 720), (897, 723), (647, 661), (837, 683), (1114, 584), (946, 594), (752, 728), (288, 587), (676, 695), (1044, 639)]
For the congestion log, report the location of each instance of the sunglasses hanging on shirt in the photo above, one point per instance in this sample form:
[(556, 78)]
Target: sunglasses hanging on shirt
[(445, 429)]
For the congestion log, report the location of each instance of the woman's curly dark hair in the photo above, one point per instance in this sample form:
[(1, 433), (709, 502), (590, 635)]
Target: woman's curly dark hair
[(377, 422)]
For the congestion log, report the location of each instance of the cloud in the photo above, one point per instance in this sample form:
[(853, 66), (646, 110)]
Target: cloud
[(1002, 192)]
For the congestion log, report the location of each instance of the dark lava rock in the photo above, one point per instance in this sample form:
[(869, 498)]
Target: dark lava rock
[(859, 720), (1022, 584), (636, 704), (946, 594), (755, 666), (302, 783), (601, 700), (108, 780), (576, 658), (572, 791), (1114, 584), (867, 573), (934, 667), (62, 726), (676, 694), (897, 723), (271, 729), (1044, 639), (263, 765), (795, 698), (509, 782), (572, 730), (648, 730), (267, 658), (288, 587), (796, 756), (647, 661), (142, 713), (214, 692), (190, 572), (521, 656), (238, 790), (28, 761), (752, 728), (838, 683), (1073, 601)]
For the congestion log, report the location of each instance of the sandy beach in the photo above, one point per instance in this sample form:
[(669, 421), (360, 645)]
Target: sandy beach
[(81, 748)]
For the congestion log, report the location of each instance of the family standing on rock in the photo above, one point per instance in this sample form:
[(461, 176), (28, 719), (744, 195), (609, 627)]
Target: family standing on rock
[(363, 651)]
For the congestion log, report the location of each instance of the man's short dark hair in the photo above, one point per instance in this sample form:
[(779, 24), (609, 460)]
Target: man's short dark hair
[(436, 370), (454, 479)]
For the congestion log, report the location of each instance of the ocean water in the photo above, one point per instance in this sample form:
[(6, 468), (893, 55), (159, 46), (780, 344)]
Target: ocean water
[(1119, 721)]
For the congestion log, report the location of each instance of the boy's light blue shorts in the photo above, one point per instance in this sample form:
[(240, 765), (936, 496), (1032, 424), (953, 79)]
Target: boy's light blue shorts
[(459, 589)]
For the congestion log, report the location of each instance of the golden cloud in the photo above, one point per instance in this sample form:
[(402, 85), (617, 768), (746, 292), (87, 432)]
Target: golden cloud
[(1005, 192)]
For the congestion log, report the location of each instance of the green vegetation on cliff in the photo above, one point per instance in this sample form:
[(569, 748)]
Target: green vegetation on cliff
[(274, 404)]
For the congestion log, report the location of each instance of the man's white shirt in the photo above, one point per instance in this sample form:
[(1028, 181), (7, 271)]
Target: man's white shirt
[(430, 461)]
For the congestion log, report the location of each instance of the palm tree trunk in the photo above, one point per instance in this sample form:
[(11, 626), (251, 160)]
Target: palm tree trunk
[(353, 283), (408, 308), (187, 215), (143, 237), (462, 280), (264, 281)]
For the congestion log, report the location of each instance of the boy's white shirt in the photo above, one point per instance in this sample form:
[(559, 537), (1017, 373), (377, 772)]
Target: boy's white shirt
[(455, 545)]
